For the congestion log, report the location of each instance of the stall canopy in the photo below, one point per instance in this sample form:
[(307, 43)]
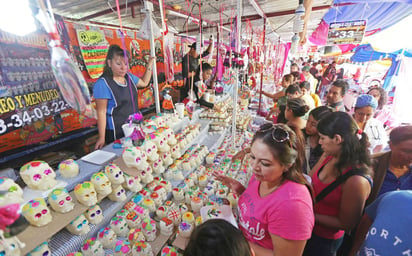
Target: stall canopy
[(379, 15)]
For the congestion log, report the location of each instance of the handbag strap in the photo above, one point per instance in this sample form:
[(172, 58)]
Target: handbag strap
[(340, 180)]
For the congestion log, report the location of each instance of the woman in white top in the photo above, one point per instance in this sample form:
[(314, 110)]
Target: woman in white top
[(364, 110)]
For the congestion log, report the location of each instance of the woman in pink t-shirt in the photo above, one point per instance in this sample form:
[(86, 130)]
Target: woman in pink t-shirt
[(276, 209)]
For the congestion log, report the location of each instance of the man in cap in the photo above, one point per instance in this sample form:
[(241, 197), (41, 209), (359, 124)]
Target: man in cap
[(190, 64)]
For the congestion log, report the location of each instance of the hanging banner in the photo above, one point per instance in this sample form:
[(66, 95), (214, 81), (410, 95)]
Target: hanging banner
[(348, 32), (93, 47)]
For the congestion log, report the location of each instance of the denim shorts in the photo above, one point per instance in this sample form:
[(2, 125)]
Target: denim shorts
[(319, 246)]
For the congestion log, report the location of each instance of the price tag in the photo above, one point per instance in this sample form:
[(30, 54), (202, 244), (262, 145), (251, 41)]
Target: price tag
[(348, 32)]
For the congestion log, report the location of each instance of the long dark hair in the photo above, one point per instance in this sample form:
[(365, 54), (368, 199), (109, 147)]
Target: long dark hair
[(287, 152), (354, 146), (217, 237), (298, 107), (320, 112), (114, 50)]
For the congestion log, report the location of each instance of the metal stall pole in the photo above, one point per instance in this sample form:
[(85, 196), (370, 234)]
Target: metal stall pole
[(264, 59), (148, 9), (238, 46)]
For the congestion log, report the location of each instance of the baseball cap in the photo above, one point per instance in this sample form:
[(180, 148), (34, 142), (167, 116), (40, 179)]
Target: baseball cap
[(306, 68)]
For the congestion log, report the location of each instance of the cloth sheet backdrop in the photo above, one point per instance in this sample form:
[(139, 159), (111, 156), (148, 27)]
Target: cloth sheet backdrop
[(379, 15)]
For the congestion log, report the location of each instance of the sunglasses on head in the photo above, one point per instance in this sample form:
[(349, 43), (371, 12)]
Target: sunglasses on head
[(279, 134)]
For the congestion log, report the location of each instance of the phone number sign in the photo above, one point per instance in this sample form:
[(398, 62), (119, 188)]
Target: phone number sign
[(348, 32)]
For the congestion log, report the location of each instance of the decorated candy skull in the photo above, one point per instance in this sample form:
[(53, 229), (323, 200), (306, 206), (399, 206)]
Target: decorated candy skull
[(122, 248), (41, 250), (79, 226), (101, 183), (92, 247), (167, 159), (133, 220), (161, 191), (169, 134), (175, 151), (151, 150), (142, 248), (135, 157), (38, 175), (13, 195), (85, 193), (61, 201), (166, 226), (119, 226), (107, 237), (132, 183), (36, 212), (118, 194), (146, 176), (114, 173), (135, 235), (157, 166), (159, 140), (149, 229), (94, 214), (69, 168)]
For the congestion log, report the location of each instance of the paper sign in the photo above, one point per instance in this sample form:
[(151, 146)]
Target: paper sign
[(348, 32)]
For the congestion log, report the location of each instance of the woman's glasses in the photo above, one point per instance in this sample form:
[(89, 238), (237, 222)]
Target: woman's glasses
[(279, 134)]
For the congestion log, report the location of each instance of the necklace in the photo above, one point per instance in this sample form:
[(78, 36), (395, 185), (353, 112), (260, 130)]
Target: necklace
[(269, 191), (120, 81)]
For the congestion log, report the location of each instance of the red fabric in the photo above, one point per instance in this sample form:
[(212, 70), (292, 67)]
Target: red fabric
[(329, 205)]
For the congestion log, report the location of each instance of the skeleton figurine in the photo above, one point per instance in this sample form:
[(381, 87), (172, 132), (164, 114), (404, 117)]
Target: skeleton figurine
[(37, 213), (60, 200), (94, 214), (10, 246), (135, 157), (79, 226), (86, 194), (101, 183), (13, 193), (38, 175)]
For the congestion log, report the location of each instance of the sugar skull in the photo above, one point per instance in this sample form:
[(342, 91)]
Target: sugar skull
[(101, 183), (38, 175), (142, 248), (159, 189), (107, 237), (118, 194), (135, 157), (114, 173), (151, 150), (146, 176), (133, 220), (79, 226), (149, 229), (175, 154), (68, 168), (157, 166), (166, 226), (149, 204), (169, 134), (167, 159), (85, 193), (119, 226), (94, 214), (37, 213), (122, 248), (92, 247), (132, 183), (61, 201), (13, 193), (159, 140), (156, 199), (169, 250), (135, 235), (10, 246), (41, 250), (185, 229)]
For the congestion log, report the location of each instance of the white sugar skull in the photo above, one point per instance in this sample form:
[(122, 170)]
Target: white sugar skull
[(132, 183), (146, 177), (114, 173), (101, 183), (161, 191), (38, 175), (151, 150), (41, 250), (37, 213), (133, 220), (135, 235), (79, 226), (175, 151), (167, 159), (107, 237), (13, 195), (92, 247), (94, 214), (157, 166), (61, 201), (119, 226), (85, 193), (159, 140), (149, 229), (10, 246), (68, 168), (135, 157), (169, 134), (118, 194)]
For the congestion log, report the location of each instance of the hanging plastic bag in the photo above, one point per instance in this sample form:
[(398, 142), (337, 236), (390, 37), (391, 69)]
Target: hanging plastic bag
[(144, 31)]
